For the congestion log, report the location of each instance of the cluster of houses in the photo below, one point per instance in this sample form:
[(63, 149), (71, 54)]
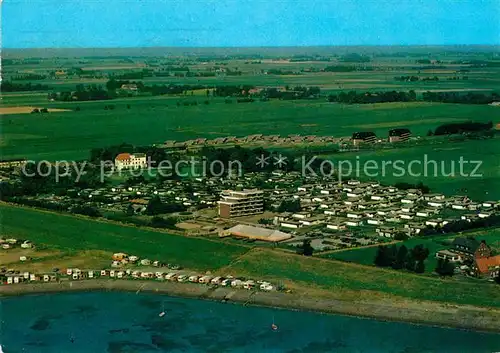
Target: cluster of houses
[(326, 205), (352, 204), (475, 257), (395, 135), (250, 139), (195, 193), (337, 215)]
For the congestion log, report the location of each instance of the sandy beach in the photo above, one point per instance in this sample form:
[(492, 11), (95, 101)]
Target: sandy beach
[(429, 313)]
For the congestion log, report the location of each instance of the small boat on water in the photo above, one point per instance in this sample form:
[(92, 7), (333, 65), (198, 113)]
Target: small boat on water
[(274, 327), (162, 313)]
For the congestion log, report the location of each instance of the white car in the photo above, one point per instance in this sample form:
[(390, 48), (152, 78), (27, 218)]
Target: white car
[(216, 280), (171, 276), (182, 278)]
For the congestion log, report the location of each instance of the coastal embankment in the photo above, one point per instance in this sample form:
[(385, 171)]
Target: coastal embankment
[(420, 312)]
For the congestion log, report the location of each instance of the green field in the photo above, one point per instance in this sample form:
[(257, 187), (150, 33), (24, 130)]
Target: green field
[(71, 135), (366, 256), (68, 233)]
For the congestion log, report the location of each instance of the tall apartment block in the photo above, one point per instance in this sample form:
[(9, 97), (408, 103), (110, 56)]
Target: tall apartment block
[(241, 203)]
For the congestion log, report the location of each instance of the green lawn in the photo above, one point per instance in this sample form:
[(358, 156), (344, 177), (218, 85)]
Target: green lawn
[(71, 233)]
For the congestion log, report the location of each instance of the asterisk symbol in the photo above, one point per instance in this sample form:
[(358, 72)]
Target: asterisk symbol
[(280, 161), (262, 161)]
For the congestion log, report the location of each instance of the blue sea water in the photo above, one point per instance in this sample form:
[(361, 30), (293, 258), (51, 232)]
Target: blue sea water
[(126, 322)]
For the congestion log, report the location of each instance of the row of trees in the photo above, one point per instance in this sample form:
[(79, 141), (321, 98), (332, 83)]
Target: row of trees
[(298, 92), (402, 257), (415, 78), (247, 158), (347, 68), (465, 127), (353, 97), (281, 72), (419, 186), (157, 90), (292, 206), (82, 93), (232, 90), (355, 58), (456, 97), (9, 86), (28, 77), (156, 206)]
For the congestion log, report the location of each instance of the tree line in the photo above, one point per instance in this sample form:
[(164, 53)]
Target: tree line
[(402, 258), (460, 98), (415, 78), (83, 93), (346, 68), (353, 97), (298, 92), (459, 128), (9, 86), (28, 76)]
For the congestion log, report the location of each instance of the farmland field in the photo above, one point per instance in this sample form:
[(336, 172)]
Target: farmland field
[(147, 119), (71, 135)]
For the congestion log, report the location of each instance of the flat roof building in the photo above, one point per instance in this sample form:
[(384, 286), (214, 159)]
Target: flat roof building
[(396, 135), (241, 203), (256, 233), (363, 137)]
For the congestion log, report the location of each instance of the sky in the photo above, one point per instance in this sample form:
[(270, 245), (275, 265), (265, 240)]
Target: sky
[(239, 23)]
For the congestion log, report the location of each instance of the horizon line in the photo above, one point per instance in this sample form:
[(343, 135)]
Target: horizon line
[(264, 46)]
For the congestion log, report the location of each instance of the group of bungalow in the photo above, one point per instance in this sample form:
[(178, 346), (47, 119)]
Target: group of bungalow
[(174, 274), (338, 206), (250, 139), (395, 135)]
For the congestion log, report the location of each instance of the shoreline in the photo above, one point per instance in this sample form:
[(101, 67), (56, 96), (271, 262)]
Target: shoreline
[(425, 313)]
